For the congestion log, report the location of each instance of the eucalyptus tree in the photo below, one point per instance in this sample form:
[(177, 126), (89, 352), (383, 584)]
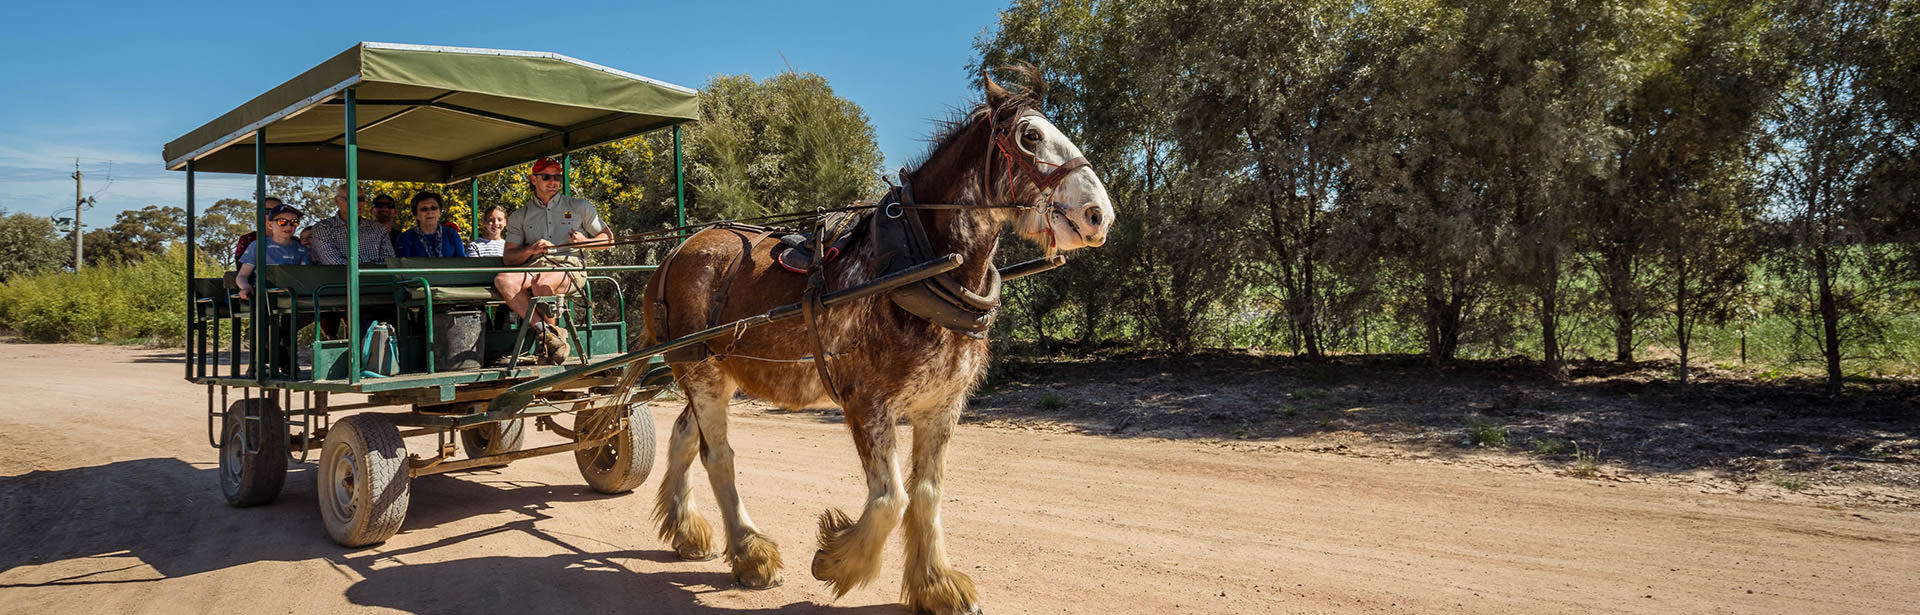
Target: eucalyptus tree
[(1671, 231), (1257, 91), (1823, 136)]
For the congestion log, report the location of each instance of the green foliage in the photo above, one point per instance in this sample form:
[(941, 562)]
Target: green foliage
[(141, 302), (136, 234), (1484, 432), (782, 144), (29, 244)]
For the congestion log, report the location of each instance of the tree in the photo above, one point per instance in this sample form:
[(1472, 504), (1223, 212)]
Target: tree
[(1676, 213), (29, 244), (1823, 142), (136, 234), (220, 225), (784, 144), (1257, 92)]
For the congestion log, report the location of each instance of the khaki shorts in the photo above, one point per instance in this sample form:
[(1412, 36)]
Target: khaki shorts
[(576, 280)]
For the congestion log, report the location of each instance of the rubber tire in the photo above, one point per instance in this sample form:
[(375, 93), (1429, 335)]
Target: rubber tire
[(493, 438), (362, 480), (623, 464), (253, 480)]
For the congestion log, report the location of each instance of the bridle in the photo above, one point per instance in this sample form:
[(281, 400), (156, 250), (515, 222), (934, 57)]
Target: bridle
[(1006, 142)]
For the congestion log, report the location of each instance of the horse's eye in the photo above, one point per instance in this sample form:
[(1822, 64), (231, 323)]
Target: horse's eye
[(1031, 136)]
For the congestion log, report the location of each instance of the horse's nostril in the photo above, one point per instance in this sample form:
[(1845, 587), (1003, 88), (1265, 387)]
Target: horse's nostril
[(1093, 216)]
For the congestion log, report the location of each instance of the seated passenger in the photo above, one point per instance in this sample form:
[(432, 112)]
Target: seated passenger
[(267, 206), (280, 247), (328, 237), (488, 243), (427, 237)]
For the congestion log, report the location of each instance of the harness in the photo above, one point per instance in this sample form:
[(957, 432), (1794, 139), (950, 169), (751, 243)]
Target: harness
[(900, 241)]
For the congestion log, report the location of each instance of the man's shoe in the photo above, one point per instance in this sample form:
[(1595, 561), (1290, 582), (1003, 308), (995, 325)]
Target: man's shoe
[(553, 345)]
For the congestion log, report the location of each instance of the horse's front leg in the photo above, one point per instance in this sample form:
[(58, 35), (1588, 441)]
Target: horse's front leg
[(930, 585), (849, 554)]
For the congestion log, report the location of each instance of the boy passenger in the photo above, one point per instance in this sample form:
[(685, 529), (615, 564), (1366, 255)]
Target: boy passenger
[(547, 219)]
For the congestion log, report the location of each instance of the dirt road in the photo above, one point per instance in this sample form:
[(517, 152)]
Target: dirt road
[(109, 504)]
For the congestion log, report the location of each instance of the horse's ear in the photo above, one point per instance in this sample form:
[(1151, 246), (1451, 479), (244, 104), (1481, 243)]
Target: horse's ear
[(997, 97)]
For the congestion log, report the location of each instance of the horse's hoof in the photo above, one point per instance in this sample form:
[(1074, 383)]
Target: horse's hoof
[(820, 564), (696, 556), (758, 584)]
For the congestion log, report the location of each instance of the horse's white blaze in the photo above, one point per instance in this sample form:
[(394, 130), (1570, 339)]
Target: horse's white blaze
[(1079, 212)]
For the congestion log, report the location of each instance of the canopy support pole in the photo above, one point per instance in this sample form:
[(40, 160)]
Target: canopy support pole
[(679, 182), (353, 242), (193, 315), (258, 303)]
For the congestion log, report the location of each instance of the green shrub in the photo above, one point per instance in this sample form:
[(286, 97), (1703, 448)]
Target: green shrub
[(143, 302), (1482, 432)]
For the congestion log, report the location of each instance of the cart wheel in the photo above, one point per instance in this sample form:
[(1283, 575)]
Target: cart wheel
[(252, 479), (620, 465), (493, 438), (363, 480)]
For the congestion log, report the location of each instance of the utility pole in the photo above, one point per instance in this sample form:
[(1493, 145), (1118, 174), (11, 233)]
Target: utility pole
[(77, 202)]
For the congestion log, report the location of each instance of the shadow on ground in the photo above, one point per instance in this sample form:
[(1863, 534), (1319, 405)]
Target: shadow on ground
[(1629, 415)]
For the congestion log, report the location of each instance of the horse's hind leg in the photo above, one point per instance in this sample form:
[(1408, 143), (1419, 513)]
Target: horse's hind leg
[(930, 585), (681, 527), (755, 558), (849, 554)]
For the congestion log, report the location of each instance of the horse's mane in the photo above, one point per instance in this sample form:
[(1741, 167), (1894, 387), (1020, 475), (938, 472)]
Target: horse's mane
[(1022, 96)]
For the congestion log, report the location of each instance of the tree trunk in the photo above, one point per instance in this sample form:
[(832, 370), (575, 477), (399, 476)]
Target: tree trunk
[(1680, 330), (1829, 318), (1550, 320)]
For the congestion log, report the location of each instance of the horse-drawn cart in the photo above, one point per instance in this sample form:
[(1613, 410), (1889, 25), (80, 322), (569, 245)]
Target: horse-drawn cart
[(434, 115)]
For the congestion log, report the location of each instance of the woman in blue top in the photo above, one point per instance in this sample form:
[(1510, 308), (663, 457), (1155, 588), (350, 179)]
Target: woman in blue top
[(281, 248), (427, 237)]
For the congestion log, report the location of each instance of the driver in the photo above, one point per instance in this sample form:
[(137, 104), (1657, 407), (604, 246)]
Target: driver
[(545, 220)]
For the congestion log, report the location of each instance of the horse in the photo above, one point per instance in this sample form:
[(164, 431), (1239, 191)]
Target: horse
[(884, 363)]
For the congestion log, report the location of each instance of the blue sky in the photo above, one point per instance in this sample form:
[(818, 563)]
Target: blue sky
[(110, 82)]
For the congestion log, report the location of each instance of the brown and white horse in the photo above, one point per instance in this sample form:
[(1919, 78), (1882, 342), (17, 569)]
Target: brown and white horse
[(1007, 165)]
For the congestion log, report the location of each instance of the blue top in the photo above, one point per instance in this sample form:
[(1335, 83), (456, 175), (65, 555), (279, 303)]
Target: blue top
[(291, 253), (447, 243)]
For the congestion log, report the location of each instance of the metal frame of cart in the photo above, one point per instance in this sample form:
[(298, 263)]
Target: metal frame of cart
[(420, 114)]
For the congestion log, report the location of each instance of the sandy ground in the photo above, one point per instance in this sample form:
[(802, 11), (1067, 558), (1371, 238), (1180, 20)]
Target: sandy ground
[(109, 504)]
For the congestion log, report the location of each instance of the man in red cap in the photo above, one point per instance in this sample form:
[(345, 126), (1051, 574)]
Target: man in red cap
[(546, 220)]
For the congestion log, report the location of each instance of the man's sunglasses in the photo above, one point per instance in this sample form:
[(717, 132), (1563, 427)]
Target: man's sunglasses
[(552, 177), (382, 205)]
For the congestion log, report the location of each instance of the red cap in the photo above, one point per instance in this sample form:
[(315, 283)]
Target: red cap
[(545, 165)]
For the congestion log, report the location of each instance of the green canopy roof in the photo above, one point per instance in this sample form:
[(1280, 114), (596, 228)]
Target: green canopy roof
[(433, 114)]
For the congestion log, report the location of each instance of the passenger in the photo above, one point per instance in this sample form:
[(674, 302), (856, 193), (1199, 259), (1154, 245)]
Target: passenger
[(428, 237), (547, 219), (492, 222), (240, 245), (281, 248), (328, 237), (383, 212)]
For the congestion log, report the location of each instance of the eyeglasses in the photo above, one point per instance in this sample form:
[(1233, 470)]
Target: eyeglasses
[(421, 209), (286, 221), (551, 177), (382, 205)]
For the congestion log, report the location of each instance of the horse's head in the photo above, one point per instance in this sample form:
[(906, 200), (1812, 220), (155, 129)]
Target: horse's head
[(1045, 169)]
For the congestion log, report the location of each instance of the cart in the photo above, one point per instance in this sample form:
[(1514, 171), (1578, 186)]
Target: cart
[(420, 114)]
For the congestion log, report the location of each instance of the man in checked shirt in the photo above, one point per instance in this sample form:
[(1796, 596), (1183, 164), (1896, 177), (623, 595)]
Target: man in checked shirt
[(328, 238)]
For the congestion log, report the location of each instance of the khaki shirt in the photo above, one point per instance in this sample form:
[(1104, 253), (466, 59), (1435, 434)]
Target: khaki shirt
[(554, 221)]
